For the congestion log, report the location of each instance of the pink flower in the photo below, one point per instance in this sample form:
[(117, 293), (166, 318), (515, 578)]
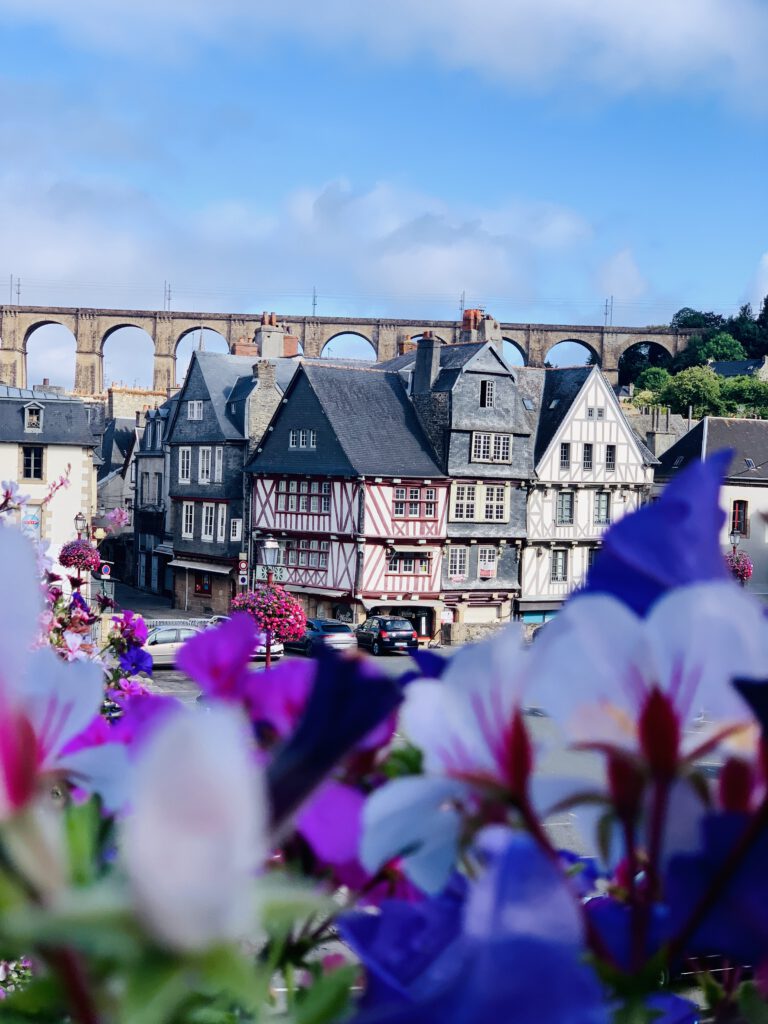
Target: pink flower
[(73, 647), (118, 518)]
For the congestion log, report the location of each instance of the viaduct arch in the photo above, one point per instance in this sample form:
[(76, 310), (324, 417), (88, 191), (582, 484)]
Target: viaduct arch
[(92, 327)]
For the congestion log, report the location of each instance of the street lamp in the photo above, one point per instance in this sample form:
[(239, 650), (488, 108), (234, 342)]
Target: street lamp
[(269, 549), (735, 539), (80, 524)]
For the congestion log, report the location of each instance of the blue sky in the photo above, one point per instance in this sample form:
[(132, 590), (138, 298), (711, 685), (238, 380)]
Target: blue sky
[(538, 156)]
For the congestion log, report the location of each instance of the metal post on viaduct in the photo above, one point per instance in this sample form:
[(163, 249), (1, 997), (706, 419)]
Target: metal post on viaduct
[(92, 328)]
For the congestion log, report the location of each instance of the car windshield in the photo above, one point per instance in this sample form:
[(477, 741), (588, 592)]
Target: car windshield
[(336, 627), (396, 624)]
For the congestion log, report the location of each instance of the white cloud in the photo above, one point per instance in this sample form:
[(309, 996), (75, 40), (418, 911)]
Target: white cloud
[(380, 251), (706, 45), (621, 277)]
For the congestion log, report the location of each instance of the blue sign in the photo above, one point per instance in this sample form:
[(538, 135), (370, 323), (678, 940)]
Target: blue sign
[(106, 570), (30, 521)]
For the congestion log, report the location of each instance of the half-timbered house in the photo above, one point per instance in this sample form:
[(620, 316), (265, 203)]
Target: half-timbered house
[(348, 484), (468, 400), (591, 469)]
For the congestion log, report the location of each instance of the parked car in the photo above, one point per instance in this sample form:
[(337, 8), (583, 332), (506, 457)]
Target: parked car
[(163, 642), (324, 633), (380, 634), (260, 651)]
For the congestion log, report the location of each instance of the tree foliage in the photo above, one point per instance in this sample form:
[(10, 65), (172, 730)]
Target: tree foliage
[(699, 387), (653, 378)]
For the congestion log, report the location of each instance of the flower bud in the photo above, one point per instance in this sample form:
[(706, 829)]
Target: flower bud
[(659, 733)]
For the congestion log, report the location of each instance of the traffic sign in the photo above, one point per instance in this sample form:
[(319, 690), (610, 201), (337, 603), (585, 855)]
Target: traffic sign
[(242, 565), (106, 570), (242, 579), (279, 573)]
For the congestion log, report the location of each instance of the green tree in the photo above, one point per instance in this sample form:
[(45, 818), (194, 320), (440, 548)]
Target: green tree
[(745, 393), (654, 378), (703, 347), (687, 318), (762, 316), (699, 387)]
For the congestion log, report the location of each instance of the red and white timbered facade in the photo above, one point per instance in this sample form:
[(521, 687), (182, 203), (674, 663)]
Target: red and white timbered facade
[(360, 542)]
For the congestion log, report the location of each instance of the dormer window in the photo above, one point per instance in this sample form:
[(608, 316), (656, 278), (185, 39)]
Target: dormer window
[(33, 418), (487, 388)]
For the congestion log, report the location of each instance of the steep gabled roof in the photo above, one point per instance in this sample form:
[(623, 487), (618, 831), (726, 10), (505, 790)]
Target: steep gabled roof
[(370, 417), (553, 392), (116, 443), (65, 420), (374, 420), (748, 439)]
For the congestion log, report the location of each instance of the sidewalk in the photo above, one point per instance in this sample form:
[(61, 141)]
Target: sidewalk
[(146, 604)]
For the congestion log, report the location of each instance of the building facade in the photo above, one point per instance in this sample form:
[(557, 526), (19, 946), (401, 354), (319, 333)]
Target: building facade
[(44, 437), (744, 494), (590, 470), (149, 470), (220, 413), (346, 481)]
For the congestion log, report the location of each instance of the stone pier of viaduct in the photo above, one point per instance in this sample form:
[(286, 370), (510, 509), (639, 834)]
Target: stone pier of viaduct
[(92, 327)]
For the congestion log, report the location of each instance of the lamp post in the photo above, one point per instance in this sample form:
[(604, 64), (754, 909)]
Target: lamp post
[(80, 524), (269, 552), (735, 539)]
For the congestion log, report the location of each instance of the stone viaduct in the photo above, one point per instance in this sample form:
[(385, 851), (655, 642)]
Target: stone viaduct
[(92, 327)]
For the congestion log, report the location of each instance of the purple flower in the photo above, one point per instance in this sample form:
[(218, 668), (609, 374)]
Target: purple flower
[(349, 699), (736, 923), (673, 542), (136, 660), (519, 931), (218, 659)]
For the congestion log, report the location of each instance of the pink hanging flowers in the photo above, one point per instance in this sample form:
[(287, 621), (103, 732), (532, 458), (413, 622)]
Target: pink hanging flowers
[(740, 566), (79, 554), (273, 609)]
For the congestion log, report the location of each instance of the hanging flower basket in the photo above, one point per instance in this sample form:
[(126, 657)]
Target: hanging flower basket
[(79, 554), (274, 610), (740, 565)]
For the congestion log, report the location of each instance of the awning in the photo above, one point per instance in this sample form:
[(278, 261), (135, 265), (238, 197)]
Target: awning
[(180, 563), (540, 606), (410, 549), (317, 591)]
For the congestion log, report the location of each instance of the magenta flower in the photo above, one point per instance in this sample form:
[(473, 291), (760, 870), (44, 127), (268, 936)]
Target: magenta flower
[(79, 554), (218, 659), (740, 565), (273, 610)]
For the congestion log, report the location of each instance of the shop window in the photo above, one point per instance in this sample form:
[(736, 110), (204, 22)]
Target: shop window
[(202, 583)]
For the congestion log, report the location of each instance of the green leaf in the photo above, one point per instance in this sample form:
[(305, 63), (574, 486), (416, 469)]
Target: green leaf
[(155, 991), (281, 903), (713, 991), (225, 969), (328, 998), (753, 1007), (82, 824)]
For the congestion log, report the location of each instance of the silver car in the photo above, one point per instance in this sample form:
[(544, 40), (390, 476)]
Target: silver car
[(164, 642), (325, 633), (260, 650)]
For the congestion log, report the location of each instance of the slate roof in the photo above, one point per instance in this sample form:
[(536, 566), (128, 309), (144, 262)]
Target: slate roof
[(373, 419), (747, 438), (229, 379), (554, 392), (64, 418), (116, 444), (453, 358), (736, 367)]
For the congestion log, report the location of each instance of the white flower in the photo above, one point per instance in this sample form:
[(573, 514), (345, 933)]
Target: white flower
[(597, 662), (197, 834)]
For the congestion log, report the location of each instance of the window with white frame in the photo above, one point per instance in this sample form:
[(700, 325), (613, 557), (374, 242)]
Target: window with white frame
[(600, 413), (487, 396), (221, 523), (610, 457), (188, 520), (566, 501), (185, 465), (480, 503), (313, 439), (491, 447), (587, 460), (293, 439), (235, 529), (565, 455), (602, 508), (414, 503), (208, 516), (302, 437), (559, 573), (194, 410), (325, 496), (218, 465), (486, 563), (33, 419), (591, 413), (457, 562), (204, 466), (591, 555)]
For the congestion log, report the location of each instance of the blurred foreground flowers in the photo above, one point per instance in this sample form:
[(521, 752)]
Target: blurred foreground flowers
[(323, 843)]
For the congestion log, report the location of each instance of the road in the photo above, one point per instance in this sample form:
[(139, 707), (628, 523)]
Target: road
[(177, 684)]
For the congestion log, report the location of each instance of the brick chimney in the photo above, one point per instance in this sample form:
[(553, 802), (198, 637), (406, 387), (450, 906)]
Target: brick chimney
[(243, 347), (427, 364), (273, 340)]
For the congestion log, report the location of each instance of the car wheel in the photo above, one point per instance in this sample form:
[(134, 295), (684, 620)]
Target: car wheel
[(376, 648)]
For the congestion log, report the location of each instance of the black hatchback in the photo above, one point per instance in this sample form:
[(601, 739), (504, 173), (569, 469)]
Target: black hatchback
[(380, 634)]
